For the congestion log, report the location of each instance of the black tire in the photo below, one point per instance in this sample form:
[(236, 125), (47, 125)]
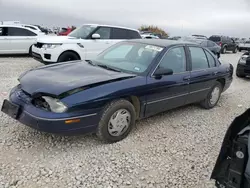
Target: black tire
[(235, 50), (240, 75), (239, 50), (223, 50), (218, 55), (102, 130), (206, 102), (68, 56), (30, 51)]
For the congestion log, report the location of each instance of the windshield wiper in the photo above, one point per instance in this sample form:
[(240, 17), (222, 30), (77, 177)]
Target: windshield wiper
[(108, 68), (91, 62)]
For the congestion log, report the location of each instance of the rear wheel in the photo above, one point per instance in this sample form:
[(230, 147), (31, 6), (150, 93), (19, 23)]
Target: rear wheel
[(218, 55), (235, 50), (30, 51), (116, 122), (213, 96), (68, 56)]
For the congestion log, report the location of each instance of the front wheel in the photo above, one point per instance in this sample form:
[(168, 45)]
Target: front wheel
[(224, 50), (68, 56), (213, 96), (116, 122)]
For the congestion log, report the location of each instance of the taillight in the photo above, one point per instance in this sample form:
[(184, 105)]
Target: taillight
[(220, 43)]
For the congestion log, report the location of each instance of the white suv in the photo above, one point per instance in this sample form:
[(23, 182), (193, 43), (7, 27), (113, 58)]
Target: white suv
[(16, 39), (83, 43)]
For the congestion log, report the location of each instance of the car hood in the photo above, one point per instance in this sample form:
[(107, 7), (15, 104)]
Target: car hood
[(60, 78), (57, 39)]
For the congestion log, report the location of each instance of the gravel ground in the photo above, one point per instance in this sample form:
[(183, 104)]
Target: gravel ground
[(174, 149)]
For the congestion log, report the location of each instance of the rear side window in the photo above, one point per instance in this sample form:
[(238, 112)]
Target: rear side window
[(13, 31), (118, 33), (198, 57), (210, 59), (215, 38), (133, 34), (30, 27)]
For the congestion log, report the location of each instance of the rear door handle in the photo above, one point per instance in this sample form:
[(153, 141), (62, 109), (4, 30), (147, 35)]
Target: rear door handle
[(186, 78)]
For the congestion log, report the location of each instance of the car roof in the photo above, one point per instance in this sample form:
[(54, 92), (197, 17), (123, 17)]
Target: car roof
[(161, 42), (103, 25), (19, 26)]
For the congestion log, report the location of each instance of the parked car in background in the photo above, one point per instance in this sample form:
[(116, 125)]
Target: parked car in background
[(83, 43), (243, 67), (64, 31), (43, 29), (232, 168), (200, 37), (16, 39), (212, 46), (244, 45), (226, 43), (33, 27), (174, 38), (131, 80), (149, 36)]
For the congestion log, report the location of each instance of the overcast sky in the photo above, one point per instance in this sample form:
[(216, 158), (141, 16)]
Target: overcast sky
[(177, 17)]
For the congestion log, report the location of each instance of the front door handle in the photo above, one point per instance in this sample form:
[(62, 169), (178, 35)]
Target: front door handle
[(215, 73), (186, 78)]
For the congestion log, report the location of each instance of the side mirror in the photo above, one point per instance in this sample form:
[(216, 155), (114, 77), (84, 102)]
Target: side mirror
[(96, 36), (162, 72)]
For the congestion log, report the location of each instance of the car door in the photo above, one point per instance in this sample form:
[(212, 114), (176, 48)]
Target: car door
[(202, 76), (5, 46), (168, 91), (95, 46), (231, 44), (21, 39)]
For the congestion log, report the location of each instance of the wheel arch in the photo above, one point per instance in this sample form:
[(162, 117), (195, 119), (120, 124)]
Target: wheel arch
[(72, 51), (222, 81), (136, 103)]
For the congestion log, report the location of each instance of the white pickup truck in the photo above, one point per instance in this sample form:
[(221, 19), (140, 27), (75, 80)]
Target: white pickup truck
[(245, 45)]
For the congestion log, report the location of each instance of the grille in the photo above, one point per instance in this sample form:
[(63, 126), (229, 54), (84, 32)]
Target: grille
[(38, 45)]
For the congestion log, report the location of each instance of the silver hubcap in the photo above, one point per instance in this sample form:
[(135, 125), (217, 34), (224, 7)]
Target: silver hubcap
[(215, 95), (119, 122)]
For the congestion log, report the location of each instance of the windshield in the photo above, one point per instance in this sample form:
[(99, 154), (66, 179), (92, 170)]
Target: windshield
[(82, 32), (129, 57)]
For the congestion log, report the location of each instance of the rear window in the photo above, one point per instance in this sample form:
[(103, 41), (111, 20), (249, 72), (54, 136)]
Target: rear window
[(215, 38)]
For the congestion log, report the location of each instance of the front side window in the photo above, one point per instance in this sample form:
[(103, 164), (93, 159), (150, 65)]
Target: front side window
[(198, 58), (82, 32), (14, 31), (129, 56), (210, 59), (174, 59), (104, 32)]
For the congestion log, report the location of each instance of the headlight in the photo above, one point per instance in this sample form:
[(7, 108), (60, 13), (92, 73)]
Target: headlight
[(50, 46), (243, 59), (55, 104)]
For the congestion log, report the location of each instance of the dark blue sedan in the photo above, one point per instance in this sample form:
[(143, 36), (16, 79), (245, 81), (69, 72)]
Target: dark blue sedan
[(129, 81)]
